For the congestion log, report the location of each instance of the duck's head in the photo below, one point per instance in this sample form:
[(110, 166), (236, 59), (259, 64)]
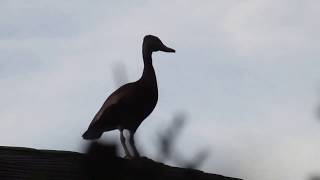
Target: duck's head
[(153, 43)]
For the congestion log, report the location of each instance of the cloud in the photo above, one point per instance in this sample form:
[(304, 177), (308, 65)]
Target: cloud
[(245, 72)]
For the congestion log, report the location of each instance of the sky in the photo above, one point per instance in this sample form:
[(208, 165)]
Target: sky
[(245, 74)]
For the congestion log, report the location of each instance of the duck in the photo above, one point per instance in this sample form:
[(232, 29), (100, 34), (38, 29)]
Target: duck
[(128, 106)]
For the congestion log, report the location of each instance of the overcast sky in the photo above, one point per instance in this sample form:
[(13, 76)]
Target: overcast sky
[(246, 74)]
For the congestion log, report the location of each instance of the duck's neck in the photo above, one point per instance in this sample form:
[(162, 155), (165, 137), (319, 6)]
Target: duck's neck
[(148, 74)]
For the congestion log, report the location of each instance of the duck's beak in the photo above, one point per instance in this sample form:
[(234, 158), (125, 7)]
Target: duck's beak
[(167, 49)]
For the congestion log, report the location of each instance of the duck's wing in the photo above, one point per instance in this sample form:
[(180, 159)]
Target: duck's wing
[(115, 103)]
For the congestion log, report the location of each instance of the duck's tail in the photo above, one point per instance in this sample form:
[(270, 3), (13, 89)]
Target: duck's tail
[(91, 134)]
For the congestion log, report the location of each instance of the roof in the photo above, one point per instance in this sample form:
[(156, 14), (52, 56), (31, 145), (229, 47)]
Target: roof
[(100, 162)]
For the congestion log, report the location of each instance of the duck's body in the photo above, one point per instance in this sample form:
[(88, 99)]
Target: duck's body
[(129, 105)]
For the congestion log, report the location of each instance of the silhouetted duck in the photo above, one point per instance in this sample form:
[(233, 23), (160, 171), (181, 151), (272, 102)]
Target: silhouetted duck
[(129, 105)]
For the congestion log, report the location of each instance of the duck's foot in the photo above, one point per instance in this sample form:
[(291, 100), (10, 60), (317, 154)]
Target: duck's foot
[(136, 157), (128, 157)]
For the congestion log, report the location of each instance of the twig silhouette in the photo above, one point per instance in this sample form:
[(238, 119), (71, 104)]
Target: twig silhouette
[(167, 141)]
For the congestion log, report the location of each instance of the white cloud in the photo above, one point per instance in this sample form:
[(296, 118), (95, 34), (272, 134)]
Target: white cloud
[(244, 71), (261, 26)]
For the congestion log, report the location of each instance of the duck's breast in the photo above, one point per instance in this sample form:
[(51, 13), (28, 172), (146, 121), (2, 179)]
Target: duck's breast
[(146, 98)]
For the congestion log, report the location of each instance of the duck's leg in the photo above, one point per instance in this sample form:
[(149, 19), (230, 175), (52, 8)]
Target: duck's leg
[(133, 146), (123, 143)]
